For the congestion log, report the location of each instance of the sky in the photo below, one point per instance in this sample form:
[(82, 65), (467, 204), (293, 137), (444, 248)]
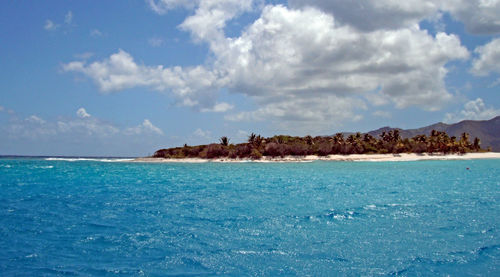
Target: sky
[(126, 78)]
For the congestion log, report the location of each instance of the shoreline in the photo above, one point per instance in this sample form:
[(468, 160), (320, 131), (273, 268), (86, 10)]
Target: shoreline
[(403, 157)]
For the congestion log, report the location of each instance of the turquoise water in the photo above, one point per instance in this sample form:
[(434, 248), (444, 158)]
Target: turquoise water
[(321, 218)]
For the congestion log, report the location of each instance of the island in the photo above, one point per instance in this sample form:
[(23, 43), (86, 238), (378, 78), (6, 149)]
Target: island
[(389, 146)]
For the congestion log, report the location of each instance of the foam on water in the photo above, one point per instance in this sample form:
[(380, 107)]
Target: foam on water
[(109, 160), (89, 218)]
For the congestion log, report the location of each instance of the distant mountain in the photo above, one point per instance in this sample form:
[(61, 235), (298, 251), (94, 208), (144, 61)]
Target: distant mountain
[(488, 131)]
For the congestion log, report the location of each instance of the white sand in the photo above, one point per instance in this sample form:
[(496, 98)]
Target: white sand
[(350, 158)]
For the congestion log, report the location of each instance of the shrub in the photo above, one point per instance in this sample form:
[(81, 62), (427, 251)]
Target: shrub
[(273, 149), (298, 149), (243, 150), (162, 153), (324, 149), (216, 151), (256, 155)]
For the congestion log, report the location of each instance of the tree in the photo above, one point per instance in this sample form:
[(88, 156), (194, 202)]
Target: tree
[(224, 141), (477, 144), (251, 138), (357, 143), (309, 140)]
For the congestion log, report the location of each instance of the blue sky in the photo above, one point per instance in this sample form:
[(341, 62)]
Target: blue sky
[(125, 78)]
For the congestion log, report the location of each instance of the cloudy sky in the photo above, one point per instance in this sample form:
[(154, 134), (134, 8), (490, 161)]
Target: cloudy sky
[(124, 78)]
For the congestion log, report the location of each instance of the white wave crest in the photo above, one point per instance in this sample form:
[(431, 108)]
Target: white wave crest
[(105, 160)]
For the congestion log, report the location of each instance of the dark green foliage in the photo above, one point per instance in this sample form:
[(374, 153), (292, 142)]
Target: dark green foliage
[(243, 150), (224, 141), (298, 149), (216, 151), (274, 149), (358, 143), (256, 155)]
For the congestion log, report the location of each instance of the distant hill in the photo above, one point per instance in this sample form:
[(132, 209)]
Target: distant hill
[(488, 131)]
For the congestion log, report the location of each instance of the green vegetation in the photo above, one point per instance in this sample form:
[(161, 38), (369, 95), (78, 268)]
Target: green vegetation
[(281, 145)]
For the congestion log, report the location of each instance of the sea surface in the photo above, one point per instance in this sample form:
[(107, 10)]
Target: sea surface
[(104, 217)]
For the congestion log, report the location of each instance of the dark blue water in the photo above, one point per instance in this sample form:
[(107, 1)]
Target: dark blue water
[(320, 218)]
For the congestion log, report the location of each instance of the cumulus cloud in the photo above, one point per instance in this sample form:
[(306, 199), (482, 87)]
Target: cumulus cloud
[(96, 33), (155, 42), (50, 26), (488, 59), (81, 126), (35, 119), (145, 128), (305, 53), (85, 127), (68, 18), (82, 113), (31, 127), (210, 17), (84, 55), (219, 108), (300, 64), (478, 16), (305, 114), (371, 15), (473, 110), (383, 114), (163, 6), (120, 71), (202, 133)]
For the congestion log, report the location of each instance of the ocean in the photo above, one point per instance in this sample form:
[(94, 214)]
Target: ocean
[(103, 217)]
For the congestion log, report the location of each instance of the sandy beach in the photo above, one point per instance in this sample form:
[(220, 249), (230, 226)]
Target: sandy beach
[(348, 158)]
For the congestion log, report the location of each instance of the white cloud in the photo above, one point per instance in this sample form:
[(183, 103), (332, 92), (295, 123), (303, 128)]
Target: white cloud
[(35, 119), (83, 126), (31, 127), (210, 17), (96, 33), (219, 108), (473, 110), (156, 42), (202, 133), (369, 15), (50, 26), (298, 65), (163, 6), (488, 60), (68, 18), (494, 83), (88, 127), (82, 113), (192, 86), (2, 108), (305, 115), (383, 114), (478, 16), (143, 129), (288, 57), (84, 56)]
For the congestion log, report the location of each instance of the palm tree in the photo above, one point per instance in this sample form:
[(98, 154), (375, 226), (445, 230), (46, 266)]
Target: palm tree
[(258, 140), (396, 137), (224, 141), (477, 144), (251, 138), (338, 138), (464, 139)]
